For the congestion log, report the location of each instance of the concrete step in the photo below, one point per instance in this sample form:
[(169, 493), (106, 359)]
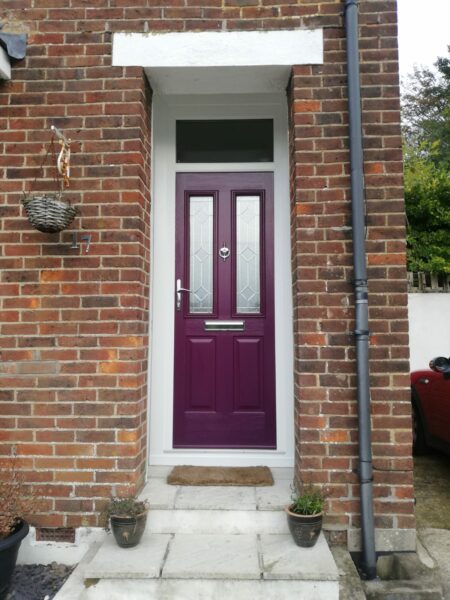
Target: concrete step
[(214, 566), (402, 590), (182, 589), (217, 509), (160, 495), (217, 522), (213, 542)]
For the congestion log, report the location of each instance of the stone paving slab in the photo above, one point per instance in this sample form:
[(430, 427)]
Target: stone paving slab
[(283, 559), (212, 557), (215, 521), (283, 473), (216, 498), (437, 543), (159, 471), (275, 497), (159, 494), (176, 589), (141, 562)]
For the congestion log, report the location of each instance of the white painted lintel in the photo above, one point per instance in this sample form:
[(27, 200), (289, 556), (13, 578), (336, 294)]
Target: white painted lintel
[(5, 65), (219, 62)]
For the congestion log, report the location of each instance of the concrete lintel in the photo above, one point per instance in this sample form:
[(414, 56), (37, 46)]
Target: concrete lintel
[(219, 49), (219, 62), (386, 540)]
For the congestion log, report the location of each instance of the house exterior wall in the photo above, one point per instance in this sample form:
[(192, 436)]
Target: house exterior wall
[(429, 327), (326, 412), (74, 331)]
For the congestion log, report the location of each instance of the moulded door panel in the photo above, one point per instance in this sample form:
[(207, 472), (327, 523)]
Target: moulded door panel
[(200, 374), (248, 374)]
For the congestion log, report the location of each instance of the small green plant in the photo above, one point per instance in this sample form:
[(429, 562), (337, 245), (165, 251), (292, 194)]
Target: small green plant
[(124, 507), (310, 501)]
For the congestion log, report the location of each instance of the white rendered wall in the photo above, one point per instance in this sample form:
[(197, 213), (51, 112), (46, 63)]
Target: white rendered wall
[(429, 327)]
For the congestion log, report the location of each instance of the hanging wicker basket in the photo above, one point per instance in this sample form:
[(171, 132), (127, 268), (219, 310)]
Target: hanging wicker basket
[(49, 213)]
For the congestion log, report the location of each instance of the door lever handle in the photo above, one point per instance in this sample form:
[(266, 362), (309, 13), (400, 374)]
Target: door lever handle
[(179, 290)]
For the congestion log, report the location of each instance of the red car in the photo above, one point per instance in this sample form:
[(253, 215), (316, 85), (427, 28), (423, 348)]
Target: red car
[(430, 397)]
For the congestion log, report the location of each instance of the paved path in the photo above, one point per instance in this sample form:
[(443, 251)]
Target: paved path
[(437, 543)]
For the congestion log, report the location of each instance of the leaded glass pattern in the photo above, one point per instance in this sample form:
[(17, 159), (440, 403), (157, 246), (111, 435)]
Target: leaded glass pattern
[(201, 214), (248, 275)]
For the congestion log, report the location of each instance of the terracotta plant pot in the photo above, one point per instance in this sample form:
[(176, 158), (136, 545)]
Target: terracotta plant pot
[(128, 530), (9, 548), (305, 529)]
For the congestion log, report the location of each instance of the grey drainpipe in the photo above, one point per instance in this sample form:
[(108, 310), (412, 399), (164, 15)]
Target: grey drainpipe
[(361, 291)]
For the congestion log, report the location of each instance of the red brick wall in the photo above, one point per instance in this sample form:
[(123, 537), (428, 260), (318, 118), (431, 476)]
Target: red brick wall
[(74, 333), (326, 410), (74, 329)]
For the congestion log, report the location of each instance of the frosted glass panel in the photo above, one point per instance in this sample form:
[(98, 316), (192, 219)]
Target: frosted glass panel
[(201, 254), (248, 275)]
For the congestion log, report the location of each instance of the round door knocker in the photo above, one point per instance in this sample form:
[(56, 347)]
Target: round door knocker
[(224, 252)]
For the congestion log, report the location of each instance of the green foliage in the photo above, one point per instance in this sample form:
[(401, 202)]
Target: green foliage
[(426, 111), (427, 196), (310, 501), (426, 129)]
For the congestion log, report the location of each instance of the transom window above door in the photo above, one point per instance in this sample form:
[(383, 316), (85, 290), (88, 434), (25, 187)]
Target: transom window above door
[(224, 141)]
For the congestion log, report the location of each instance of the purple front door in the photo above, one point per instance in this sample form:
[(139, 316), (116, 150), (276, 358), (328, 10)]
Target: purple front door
[(224, 388)]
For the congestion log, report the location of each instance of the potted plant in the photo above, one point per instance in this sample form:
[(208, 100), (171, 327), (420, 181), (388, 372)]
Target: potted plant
[(304, 516), (15, 503), (127, 519)]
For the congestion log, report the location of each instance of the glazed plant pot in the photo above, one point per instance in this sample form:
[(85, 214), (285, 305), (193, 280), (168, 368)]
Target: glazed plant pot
[(128, 531), (9, 548), (305, 529)]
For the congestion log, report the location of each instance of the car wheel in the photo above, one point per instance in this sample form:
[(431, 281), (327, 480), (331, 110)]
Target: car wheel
[(419, 441)]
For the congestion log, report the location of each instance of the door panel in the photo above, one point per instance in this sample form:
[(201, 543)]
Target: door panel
[(224, 379), (248, 374), (201, 369)]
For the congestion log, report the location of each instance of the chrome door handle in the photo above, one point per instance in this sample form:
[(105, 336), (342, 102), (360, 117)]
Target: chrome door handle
[(179, 290)]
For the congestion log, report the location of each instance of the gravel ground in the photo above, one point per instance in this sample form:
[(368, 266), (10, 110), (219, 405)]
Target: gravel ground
[(38, 582)]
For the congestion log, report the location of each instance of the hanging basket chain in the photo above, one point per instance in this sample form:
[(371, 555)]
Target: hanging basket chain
[(56, 179), (40, 172), (48, 212)]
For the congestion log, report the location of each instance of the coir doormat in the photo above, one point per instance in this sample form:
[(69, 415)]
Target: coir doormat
[(250, 476)]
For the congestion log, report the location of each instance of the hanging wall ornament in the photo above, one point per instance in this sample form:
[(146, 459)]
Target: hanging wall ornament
[(50, 212)]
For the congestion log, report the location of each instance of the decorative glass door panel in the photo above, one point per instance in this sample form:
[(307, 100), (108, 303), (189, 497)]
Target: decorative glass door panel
[(201, 220), (248, 254), (224, 379)]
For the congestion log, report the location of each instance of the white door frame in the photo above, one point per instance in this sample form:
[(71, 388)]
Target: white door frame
[(165, 111)]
